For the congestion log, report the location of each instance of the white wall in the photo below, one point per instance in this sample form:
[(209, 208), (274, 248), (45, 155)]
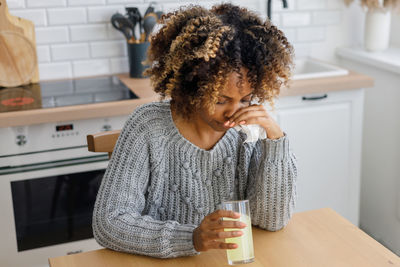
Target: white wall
[(395, 36), (74, 37)]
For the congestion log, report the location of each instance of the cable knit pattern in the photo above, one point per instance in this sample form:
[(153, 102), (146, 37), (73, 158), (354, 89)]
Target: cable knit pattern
[(159, 186)]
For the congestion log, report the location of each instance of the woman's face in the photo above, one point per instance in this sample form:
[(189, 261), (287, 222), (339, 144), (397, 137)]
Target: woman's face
[(230, 100)]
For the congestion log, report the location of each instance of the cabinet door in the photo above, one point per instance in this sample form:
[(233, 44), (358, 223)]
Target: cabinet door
[(321, 135)]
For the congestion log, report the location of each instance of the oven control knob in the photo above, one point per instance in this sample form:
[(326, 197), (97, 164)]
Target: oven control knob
[(106, 127), (21, 140)]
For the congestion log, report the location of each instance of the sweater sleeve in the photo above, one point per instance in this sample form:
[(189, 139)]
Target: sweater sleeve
[(118, 219), (271, 183)]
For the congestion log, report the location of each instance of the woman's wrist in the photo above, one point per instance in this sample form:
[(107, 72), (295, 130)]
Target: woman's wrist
[(275, 136), (273, 133), (195, 237)]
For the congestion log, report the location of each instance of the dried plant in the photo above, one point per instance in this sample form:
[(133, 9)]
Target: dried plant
[(377, 4)]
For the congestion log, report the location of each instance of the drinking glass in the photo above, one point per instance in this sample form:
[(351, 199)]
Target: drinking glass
[(244, 253)]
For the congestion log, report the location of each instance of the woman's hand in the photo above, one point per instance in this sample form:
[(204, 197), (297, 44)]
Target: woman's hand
[(211, 229), (256, 114)]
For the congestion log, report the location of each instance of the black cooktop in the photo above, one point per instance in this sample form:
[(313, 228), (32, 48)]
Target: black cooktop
[(52, 94)]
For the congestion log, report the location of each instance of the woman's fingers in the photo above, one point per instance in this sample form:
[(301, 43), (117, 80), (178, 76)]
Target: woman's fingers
[(216, 215), (253, 120), (250, 115), (244, 113), (221, 245), (221, 224), (212, 229), (256, 114), (246, 109), (212, 235)]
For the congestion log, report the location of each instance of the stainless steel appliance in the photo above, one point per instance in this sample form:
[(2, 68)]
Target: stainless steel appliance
[(48, 179)]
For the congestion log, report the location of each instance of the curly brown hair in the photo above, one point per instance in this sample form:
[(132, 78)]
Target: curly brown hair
[(196, 49)]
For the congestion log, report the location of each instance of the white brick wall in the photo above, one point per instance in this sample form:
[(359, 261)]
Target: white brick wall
[(62, 16), (86, 2), (108, 49), (43, 53), (49, 71), (91, 67), (37, 16), (119, 65), (295, 19), (69, 51), (103, 13), (310, 34), (45, 3), (326, 17), (75, 38), (311, 4), (49, 35), (16, 3), (88, 32)]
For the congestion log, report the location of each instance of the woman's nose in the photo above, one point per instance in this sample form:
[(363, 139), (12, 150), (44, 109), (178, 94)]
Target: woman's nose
[(232, 109)]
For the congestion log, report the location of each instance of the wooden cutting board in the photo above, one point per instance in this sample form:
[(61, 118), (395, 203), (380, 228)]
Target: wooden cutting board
[(18, 59)]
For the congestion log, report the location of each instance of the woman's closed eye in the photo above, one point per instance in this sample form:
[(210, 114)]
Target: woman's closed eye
[(222, 102)]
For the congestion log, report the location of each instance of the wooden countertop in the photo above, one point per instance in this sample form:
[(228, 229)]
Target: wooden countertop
[(312, 238), (142, 88)]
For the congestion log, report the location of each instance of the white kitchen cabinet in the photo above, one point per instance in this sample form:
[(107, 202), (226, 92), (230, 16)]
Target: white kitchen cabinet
[(325, 135)]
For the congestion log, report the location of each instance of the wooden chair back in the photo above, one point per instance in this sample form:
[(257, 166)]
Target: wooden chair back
[(103, 141)]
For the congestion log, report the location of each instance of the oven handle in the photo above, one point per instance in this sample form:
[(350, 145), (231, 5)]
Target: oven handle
[(51, 164)]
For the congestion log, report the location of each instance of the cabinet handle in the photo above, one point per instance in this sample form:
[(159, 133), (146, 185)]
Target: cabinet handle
[(315, 97)]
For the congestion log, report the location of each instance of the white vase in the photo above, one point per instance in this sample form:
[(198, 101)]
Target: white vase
[(377, 30)]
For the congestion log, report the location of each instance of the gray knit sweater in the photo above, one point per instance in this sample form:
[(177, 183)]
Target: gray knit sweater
[(159, 186)]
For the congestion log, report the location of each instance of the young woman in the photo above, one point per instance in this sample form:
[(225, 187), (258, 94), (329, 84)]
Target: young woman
[(177, 159)]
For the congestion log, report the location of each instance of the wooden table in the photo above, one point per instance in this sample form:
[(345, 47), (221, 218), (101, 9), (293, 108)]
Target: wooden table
[(314, 238)]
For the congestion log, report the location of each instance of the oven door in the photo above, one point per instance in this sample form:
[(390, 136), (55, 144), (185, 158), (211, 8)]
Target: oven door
[(46, 208)]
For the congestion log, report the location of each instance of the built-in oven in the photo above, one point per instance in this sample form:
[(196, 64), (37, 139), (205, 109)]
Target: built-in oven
[(47, 194), (48, 185)]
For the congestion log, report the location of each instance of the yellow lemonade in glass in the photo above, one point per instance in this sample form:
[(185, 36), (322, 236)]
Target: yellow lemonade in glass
[(244, 253)]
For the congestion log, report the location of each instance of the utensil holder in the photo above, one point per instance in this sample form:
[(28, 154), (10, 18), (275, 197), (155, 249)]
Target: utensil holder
[(137, 53)]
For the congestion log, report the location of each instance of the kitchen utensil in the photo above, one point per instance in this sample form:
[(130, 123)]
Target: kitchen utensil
[(18, 59), (150, 8), (159, 14), (149, 21), (140, 23), (136, 18), (124, 25)]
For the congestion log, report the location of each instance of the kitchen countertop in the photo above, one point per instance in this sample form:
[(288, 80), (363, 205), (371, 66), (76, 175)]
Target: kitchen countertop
[(142, 88), (387, 60)]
